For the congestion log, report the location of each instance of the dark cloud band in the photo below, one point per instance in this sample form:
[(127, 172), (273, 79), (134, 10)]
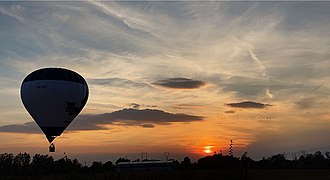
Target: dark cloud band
[(180, 83), (147, 118), (248, 104)]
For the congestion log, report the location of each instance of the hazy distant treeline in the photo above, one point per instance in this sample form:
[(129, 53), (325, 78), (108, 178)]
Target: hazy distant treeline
[(24, 165)]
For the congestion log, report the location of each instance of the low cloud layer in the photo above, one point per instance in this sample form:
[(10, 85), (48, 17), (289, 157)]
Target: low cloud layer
[(230, 112), (140, 106), (146, 118), (248, 104), (29, 127), (137, 117), (32, 127), (180, 83)]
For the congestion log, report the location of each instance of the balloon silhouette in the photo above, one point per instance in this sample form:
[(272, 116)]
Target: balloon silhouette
[(54, 97)]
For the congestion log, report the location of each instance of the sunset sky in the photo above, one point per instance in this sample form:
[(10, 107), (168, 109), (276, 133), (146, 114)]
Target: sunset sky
[(177, 77)]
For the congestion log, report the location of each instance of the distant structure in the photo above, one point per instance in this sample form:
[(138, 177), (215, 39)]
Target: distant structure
[(231, 151), (142, 155), (146, 164)]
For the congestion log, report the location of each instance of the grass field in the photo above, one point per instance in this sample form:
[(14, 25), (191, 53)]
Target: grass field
[(199, 174)]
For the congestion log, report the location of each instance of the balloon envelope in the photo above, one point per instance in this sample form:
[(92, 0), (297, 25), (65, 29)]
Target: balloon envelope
[(54, 97)]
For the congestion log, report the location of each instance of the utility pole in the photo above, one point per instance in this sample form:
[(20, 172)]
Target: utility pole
[(231, 151)]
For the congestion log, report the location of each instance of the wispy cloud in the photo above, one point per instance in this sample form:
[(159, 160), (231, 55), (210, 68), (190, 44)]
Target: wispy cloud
[(306, 103), (118, 82)]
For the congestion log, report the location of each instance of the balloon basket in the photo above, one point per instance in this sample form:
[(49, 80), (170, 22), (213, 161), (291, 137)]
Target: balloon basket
[(52, 148)]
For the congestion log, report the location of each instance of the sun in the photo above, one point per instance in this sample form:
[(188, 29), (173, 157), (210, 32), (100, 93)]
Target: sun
[(207, 149)]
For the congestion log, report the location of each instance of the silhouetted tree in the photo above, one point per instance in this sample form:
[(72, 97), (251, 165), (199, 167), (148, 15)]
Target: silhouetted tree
[(96, 167), (21, 163), (327, 154), (108, 166), (6, 164), (66, 165), (318, 156), (186, 163), (42, 164), (279, 161), (315, 160), (247, 162), (218, 161)]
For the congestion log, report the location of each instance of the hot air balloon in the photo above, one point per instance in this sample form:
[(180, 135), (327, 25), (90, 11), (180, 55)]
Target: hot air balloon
[(54, 97)]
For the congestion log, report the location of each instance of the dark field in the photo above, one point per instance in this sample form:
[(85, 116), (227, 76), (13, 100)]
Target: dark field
[(199, 174)]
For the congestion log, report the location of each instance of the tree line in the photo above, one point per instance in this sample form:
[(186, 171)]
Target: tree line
[(24, 165)]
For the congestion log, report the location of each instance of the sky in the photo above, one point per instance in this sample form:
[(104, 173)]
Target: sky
[(177, 77)]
